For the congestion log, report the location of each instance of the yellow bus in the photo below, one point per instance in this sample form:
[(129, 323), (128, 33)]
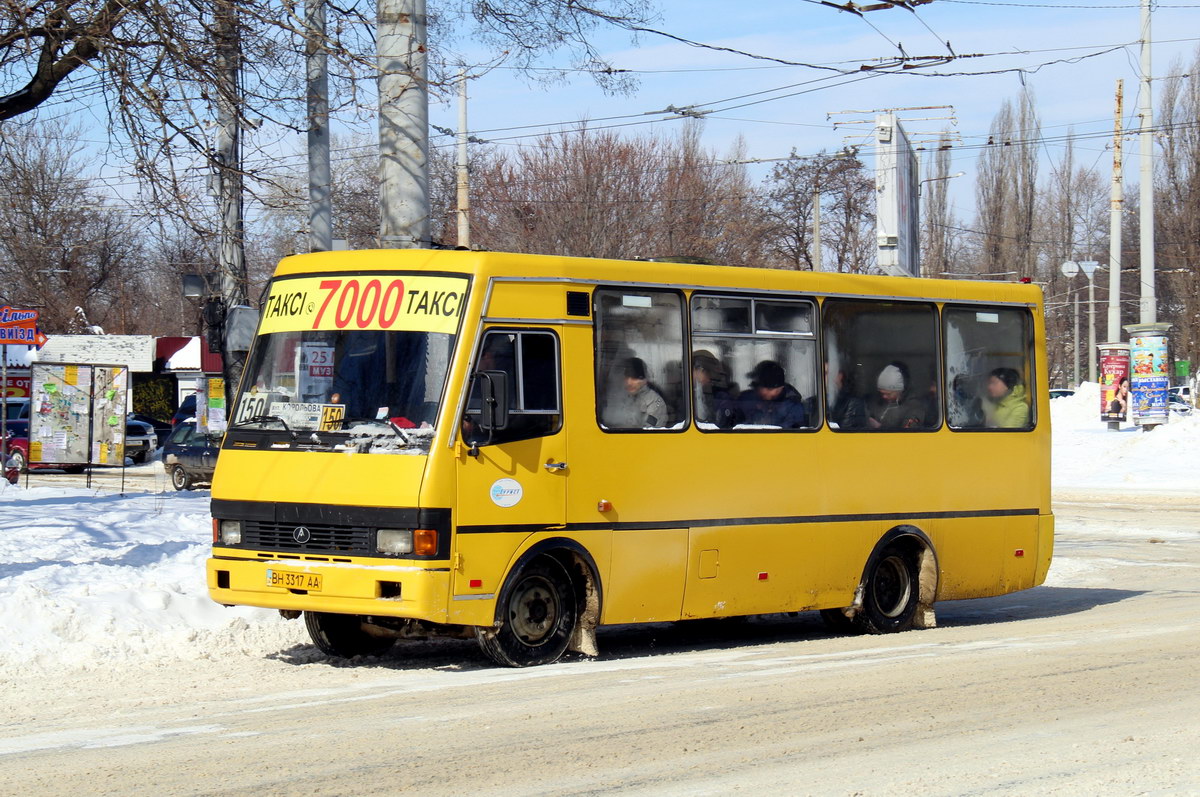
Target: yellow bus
[(524, 448)]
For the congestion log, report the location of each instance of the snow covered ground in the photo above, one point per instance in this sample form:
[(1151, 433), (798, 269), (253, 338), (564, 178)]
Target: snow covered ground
[(92, 580)]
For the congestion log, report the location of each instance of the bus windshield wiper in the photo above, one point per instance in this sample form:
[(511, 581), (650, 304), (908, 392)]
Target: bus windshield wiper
[(378, 422), (261, 419)]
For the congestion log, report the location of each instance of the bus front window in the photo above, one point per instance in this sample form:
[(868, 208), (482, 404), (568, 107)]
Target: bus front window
[(346, 381)]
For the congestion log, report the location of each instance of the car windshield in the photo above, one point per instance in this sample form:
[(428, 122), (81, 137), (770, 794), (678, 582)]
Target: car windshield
[(376, 388)]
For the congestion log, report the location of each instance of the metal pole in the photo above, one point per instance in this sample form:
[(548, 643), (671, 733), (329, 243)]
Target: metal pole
[(403, 125), (1116, 200), (320, 180), (1149, 305), (232, 258), (1091, 372), (4, 414), (464, 194), (1075, 340), (816, 257)]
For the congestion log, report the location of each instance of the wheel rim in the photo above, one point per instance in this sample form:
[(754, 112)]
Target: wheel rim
[(892, 587), (177, 477), (533, 610), (18, 460)]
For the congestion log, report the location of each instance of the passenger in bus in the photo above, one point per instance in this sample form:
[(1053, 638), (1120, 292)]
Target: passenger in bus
[(648, 408), (710, 387), (848, 410), (891, 407), (1008, 407), (771, 401)]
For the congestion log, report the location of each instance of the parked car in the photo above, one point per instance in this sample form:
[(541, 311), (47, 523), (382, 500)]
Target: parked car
[(1061, 392), (18, 455), (140, 441), (186, 411), (162, 429), (190, 456)]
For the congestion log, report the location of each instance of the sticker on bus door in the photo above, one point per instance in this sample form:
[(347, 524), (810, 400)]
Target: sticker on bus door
[(506, 492), (380, 302)]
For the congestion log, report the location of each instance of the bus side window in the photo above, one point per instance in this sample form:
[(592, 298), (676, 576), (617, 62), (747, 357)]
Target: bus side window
[(640, 383), (881, 366), (530, 358), (989, 368)]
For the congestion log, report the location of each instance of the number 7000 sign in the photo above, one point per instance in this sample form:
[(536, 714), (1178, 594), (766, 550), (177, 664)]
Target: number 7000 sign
[(409, 302)]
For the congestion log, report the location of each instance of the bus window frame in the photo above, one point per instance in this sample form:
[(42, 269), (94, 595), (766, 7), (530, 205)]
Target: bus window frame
[(685, 362), (938, 353), (1030, 355), (518, 388), (814, 302)]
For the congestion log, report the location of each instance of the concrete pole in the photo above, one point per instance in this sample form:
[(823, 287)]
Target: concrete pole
[(1149, 303), (1074, 340), (403, 125), (1116, 200), (464, 193), (320, 179), (1091, 371), (816, 244), (232, 257)]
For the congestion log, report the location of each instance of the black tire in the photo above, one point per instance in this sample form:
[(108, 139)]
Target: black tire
[(342, 635), (17, 458), (890, 594), (537, 617), (139, 457), (839, 623), (180, 478)]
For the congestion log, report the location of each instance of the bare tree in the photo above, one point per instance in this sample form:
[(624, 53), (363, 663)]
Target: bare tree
[(1006, 190)]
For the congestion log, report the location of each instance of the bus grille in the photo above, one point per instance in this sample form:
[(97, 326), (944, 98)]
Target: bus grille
[(268, 536)]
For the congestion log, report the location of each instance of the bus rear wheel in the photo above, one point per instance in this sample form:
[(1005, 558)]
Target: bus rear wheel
[(538, 616), (342, 635), (890, 594)]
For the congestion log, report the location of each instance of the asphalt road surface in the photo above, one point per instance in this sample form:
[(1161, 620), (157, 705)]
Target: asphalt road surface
[(1084, 686)]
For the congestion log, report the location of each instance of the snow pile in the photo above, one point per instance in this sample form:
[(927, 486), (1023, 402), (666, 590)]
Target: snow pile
[(1088, 456), (90, 579)]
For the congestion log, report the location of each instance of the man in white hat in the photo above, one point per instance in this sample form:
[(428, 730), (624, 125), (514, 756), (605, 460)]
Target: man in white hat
[(891, 408)]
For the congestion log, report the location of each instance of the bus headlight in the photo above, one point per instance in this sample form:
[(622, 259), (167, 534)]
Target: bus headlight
[(231, 532), (394, 541)]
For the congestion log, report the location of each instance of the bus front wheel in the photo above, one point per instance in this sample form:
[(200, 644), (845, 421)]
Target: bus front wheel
[(537, 617), (890, 594), (342, 635)]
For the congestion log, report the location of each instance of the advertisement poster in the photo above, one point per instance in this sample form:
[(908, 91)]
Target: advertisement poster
[(315, 371), (60, 414), (1148, 380), (18, 386), (216, 405), (110, 388), (1114, 383)]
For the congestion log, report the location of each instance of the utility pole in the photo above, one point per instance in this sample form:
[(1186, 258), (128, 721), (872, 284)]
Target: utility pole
[(1149, 304), (232, 257), (816, 258), (320, 179), (464, 194), (403, 124), (1116, 200), (1089, 269)]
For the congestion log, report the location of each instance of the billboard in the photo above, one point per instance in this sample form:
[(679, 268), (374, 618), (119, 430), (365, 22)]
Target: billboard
[(897, 206), (1148, 380), (77, 414), (1114, 382)]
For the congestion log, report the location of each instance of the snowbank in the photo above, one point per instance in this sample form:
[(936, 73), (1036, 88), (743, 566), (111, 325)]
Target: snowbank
[(92, 580), (1088, 457)]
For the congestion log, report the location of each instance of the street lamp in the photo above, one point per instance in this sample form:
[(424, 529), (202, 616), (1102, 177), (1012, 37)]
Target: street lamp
[(1089, 268), (1070, 269)]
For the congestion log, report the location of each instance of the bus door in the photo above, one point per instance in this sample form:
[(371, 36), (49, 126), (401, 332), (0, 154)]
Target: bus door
[(516, 485)]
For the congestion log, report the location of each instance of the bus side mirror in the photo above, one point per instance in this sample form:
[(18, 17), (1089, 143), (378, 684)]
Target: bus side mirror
[(493, 394)]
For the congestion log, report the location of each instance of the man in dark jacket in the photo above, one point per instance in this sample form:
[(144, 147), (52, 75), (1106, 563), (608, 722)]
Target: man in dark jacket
[(771, 401)]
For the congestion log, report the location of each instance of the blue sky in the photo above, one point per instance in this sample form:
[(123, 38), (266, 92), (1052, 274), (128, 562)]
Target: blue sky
[(1075, 95)]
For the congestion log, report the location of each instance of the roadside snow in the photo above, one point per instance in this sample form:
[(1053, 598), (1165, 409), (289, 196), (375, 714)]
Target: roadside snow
[(94, 580)]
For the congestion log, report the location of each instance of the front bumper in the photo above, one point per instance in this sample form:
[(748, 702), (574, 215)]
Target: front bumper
[(358, 585)]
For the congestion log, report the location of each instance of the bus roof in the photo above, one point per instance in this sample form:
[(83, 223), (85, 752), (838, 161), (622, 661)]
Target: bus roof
[(680, 275)]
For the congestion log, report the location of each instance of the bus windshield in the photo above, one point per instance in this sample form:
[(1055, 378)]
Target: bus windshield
[(360, 357)]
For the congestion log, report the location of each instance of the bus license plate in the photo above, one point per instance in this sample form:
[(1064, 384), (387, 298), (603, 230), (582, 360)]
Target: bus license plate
[(291, 580)]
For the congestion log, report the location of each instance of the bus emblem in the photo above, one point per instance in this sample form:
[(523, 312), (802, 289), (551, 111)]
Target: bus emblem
[(506, 492), (301, 535)]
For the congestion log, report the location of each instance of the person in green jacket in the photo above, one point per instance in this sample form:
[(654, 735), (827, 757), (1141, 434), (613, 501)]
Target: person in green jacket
[(1009, 405)]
